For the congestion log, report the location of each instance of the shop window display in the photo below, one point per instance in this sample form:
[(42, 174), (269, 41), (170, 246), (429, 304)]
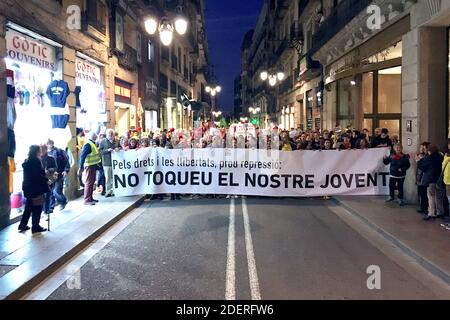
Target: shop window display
[(37, 108), (90, 97)]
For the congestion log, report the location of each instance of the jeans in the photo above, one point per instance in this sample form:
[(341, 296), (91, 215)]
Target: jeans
[(47, 207), (89, 185), (396, 183), (34, 211), (432, 200), (58, 193)]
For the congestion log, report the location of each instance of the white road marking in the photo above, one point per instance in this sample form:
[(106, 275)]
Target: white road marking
[(252, 272), (230, 286)]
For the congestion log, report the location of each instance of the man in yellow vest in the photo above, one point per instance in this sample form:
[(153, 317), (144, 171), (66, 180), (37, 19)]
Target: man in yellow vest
[(89, 160)]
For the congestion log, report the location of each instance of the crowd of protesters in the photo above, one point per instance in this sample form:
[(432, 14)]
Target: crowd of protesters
[(95, 164)]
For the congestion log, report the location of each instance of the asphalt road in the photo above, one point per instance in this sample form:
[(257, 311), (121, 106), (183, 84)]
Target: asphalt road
[(254, 248)]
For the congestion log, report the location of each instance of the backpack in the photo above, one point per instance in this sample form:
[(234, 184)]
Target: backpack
[(61, 160)]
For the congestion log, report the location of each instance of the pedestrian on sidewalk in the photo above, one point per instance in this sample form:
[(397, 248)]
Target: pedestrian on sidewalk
[(35, 186), (421, 187), (106, 147), (399, 164), (100, 175), (49, 165), (431, 165), (89, 160), (62, 170)]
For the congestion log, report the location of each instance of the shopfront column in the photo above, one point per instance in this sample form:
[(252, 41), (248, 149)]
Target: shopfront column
[(4, 173), (69, 77)]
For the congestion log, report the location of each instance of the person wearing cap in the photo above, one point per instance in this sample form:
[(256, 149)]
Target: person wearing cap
[(89, 161)]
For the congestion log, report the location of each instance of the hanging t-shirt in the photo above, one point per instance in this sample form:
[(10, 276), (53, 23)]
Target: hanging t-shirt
[(11, 115), (77, 97), (57, 93)]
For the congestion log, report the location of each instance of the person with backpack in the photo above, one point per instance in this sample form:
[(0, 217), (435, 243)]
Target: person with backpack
[(399, 164), (62, 169)]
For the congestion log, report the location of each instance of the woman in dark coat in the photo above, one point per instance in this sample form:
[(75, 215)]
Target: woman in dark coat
[(35, 186)]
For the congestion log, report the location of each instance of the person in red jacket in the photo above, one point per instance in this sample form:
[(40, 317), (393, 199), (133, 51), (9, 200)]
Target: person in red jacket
[(399, 165)]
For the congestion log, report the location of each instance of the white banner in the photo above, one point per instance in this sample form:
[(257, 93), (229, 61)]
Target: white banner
[(250, 172)]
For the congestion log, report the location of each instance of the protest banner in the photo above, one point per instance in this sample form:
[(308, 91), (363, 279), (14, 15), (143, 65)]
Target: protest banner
[(250, 172)]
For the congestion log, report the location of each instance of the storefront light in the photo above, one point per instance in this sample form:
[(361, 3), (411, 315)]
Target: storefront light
[(353, 83)]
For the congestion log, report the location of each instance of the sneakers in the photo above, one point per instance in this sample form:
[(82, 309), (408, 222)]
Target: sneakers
[(90, 203), (401, 203), (389, 199), (62, 206)]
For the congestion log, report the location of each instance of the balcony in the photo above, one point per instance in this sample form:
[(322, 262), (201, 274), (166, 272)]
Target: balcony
[(342, 15), (128, 59)]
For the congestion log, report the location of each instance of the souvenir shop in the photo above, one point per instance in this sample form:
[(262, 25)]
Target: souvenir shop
[(36, 105)]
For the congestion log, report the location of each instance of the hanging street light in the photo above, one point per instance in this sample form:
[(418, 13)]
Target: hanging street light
[(273, 76), (166, 26)]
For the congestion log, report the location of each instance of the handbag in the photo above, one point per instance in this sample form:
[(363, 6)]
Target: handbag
[(38, 201)]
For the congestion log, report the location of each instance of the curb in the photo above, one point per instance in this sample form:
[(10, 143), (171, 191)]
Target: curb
[(427, 264), (26, 287)]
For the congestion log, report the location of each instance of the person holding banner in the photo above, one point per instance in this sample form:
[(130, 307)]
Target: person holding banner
[(399, 165), (107, 146), (89, 160)]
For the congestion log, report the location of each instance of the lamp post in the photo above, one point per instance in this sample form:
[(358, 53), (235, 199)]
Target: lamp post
[(273, 76), (166, 26)]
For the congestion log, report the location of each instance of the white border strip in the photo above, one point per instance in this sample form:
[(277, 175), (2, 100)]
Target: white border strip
[(252, 272), (230, 285)]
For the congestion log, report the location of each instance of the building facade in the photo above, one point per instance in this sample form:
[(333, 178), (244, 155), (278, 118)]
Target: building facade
[(97, 54)]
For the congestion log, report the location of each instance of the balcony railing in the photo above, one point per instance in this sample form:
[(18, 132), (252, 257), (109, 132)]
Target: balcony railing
[(128, 59), (345, 11)]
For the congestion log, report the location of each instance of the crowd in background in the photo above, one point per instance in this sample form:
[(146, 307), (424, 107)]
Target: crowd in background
[(46, 168)]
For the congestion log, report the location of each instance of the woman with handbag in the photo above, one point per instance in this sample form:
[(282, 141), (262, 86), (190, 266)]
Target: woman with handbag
[(35, 186)]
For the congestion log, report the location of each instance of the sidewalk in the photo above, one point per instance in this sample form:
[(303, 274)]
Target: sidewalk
[(26, 259), (427, 242)]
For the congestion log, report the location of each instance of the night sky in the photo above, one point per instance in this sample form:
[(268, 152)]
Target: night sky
[(227, 21)]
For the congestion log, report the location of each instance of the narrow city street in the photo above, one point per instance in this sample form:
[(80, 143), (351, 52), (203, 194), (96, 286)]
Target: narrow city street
[(244, 248)]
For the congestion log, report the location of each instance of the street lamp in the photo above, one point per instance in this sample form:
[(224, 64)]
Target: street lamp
[(213, 90), (273, 76), (166, 26)]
